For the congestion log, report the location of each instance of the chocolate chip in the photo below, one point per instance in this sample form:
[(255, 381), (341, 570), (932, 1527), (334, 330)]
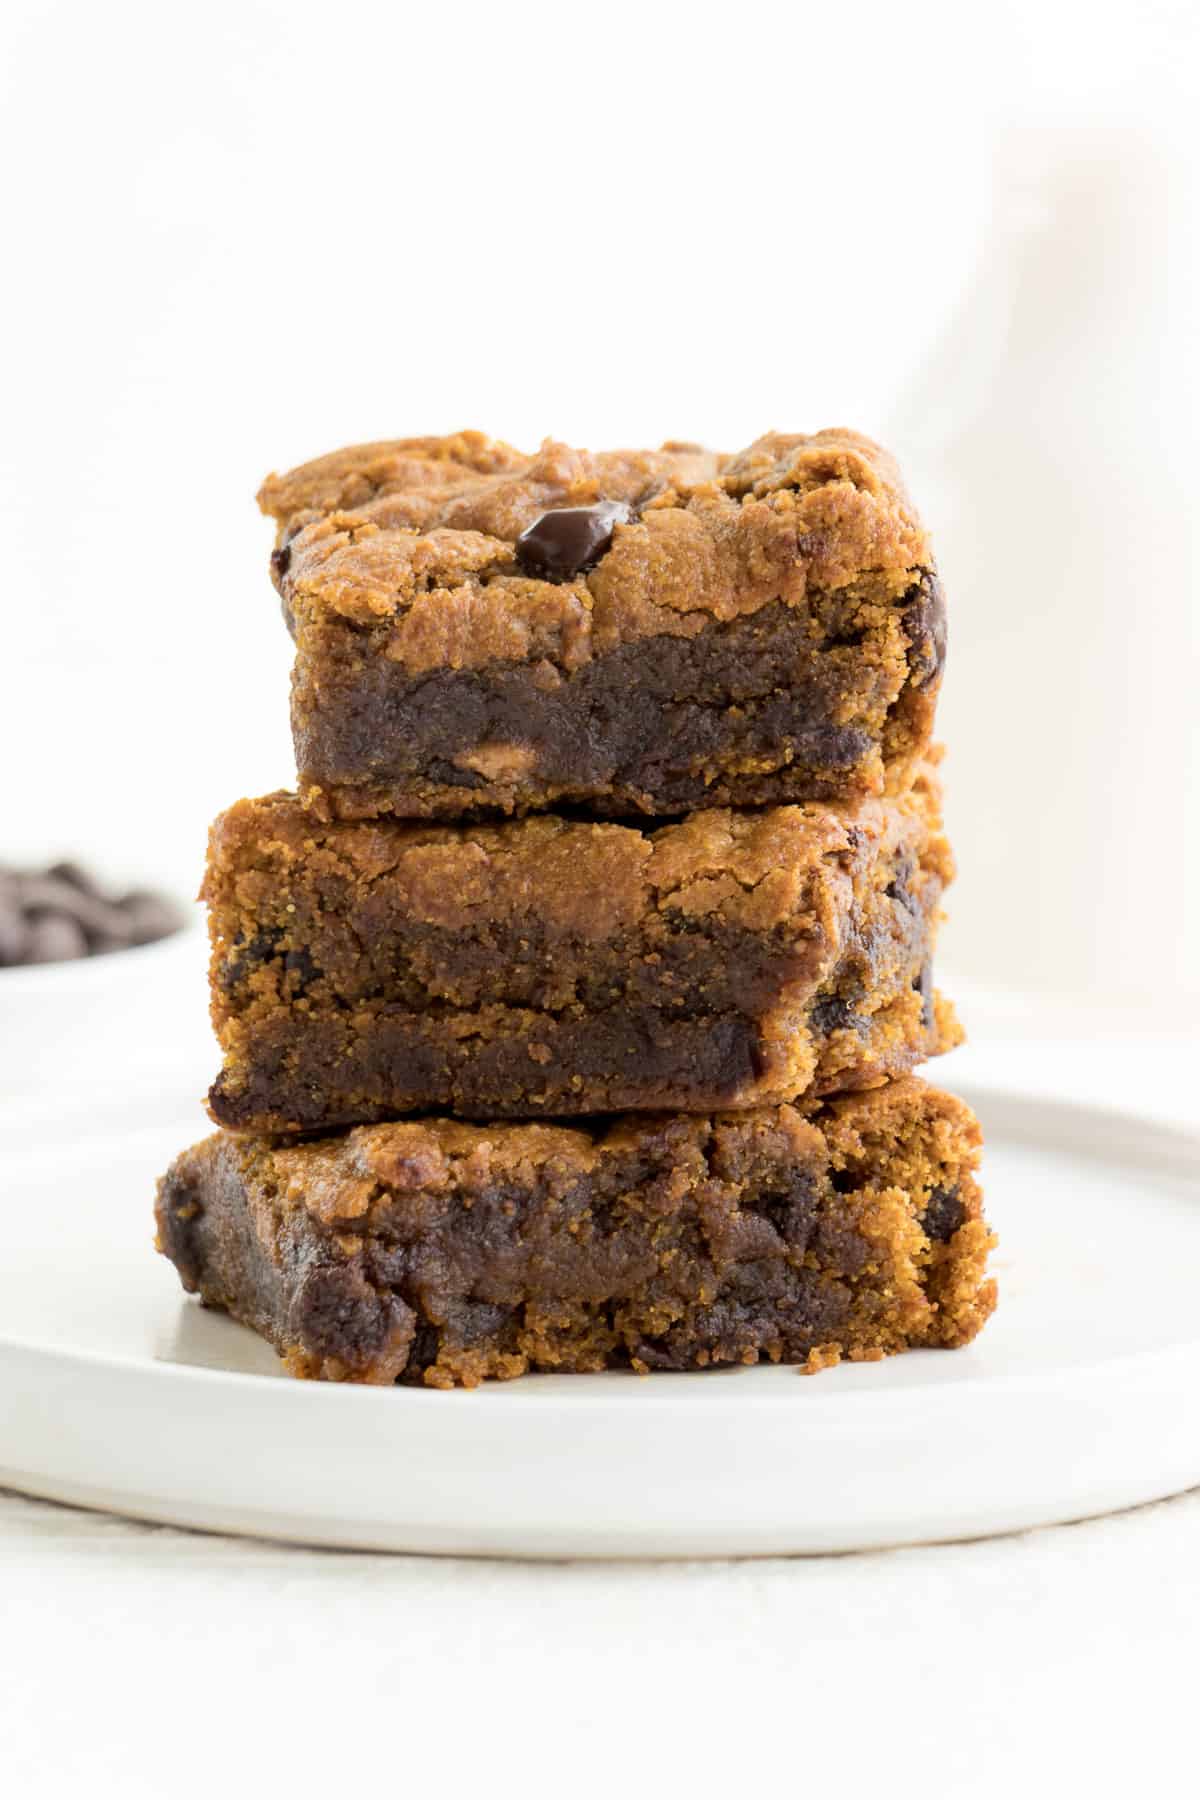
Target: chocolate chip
[(426, 1343), (101, 923), (944, 1213), (470, 1322), (148, 916), (14, 934), (336, 1312), (793, 1212), (925, 626), (50, 894), (899, 888), (832, 1014), (281, 560), (569, 539), (300, 964), (75, 877), (52, 937), (249, 953)]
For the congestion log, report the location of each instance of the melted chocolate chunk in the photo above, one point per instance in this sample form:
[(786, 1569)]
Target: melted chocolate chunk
[(337, 1313), (832, 1014), (300, 964), (569, 539), (943, 1214), (248, 954), (925, 625), (793, 1211)]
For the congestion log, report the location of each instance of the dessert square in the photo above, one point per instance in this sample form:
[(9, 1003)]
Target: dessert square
[(557, 966), (481, 631), (442, 1253)]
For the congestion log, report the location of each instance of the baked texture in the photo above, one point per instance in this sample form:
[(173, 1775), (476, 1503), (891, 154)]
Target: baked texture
[(755, 628), (438, 1252), (553, 966)]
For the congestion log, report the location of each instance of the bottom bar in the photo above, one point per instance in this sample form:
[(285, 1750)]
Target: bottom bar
[(437, 1252)]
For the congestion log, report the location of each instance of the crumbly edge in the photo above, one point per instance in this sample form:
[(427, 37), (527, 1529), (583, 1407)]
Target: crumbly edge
[(434, 474), (934, 1293), (606, 895), (432, 468), (428, 572)]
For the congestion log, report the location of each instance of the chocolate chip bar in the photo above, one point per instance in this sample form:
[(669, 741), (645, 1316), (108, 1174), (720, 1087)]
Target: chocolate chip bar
[(441, 1253), (552, 966), (480, 631)]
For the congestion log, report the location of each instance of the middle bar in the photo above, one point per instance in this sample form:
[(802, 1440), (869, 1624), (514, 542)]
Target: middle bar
[(554, 966)]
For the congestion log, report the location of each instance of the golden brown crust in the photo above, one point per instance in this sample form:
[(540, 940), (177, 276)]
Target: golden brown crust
[(717, 536), (470, 482), (580, 878)]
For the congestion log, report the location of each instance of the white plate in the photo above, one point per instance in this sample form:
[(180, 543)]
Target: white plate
[(1079, 1397)]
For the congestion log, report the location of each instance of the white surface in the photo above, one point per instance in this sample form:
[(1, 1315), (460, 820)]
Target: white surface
[(143, 1664), (1077, 1398)]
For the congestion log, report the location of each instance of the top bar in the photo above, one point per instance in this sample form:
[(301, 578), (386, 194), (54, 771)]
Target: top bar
[(482, 631)]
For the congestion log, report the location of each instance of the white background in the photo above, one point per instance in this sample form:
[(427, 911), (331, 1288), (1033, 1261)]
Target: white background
[(237, 235), (241, 234)]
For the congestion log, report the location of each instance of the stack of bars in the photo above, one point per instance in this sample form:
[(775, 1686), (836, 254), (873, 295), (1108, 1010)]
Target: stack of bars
[(569, 1007)]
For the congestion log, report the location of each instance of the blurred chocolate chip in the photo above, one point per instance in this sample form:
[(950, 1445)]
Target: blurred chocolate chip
[(569, 539), (62, 913), (48, 892), (52, 937), (14, 935), (148, 916), (281, 559), (101, 921), (75, 877)]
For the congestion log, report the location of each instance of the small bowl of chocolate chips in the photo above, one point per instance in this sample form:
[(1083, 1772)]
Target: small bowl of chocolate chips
[(63, 913)]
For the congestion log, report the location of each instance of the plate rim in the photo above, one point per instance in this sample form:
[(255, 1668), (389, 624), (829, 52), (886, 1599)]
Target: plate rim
[(1178, 1147), (625, 1469)]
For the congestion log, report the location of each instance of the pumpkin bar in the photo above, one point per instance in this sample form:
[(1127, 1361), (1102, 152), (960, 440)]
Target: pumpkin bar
[(482, 631), (558, 966), (441, 1253)]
